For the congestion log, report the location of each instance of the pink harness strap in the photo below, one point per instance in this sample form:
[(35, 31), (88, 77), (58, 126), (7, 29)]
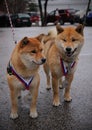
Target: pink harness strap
[(11, 71), (64, 69)]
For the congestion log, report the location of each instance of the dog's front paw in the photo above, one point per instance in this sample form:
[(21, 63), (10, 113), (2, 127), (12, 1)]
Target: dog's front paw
[(60, 86), (34, 114), (68, 99), (56, 103), (48, 87), (13, 115)]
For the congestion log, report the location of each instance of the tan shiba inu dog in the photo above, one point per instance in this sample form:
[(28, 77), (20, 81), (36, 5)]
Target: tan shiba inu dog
[(62, 52), (22, 72)]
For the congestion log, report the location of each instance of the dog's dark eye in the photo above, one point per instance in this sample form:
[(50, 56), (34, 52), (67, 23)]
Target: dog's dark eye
[(41, 50), (73, 39), (64, 40), (33, 51)]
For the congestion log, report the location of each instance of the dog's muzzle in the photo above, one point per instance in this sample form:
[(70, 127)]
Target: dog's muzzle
[(69, 51), (43, 60)]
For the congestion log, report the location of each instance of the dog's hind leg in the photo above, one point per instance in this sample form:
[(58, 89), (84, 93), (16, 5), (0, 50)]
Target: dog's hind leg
[(47, 72), (19, 93), (60, 83)]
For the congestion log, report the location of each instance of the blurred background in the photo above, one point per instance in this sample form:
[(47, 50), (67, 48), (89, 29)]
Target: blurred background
[(45, 12)]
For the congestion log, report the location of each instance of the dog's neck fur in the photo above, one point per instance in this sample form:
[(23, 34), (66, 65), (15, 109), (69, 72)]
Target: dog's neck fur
[(68, 59)]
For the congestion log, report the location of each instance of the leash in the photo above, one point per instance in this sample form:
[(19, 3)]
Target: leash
[(12, 28)]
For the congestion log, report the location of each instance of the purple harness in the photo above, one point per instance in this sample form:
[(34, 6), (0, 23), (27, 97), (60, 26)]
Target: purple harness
[(11, 71), (64, 69)]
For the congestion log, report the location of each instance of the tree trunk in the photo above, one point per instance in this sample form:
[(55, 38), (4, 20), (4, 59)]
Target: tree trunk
[(41, 12), (45, 12)]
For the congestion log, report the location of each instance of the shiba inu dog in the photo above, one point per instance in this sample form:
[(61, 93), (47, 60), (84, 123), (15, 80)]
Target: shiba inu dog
[(62, 52), (22, 72)]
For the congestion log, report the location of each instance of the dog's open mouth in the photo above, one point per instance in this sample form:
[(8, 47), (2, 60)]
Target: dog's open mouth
[(70, 53)]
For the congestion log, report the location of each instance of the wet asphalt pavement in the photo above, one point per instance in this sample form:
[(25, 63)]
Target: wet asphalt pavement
[(76, 115)]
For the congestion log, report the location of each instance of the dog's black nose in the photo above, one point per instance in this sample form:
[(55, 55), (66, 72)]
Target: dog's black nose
[(68, 49), (43, 60)]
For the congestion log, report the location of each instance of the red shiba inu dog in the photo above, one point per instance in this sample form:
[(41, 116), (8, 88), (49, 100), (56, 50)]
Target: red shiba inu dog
[(61, 53), (22, 72)]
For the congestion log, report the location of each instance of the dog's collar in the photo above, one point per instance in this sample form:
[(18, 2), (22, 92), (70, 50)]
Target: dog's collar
[(11, 71), (66, 69)]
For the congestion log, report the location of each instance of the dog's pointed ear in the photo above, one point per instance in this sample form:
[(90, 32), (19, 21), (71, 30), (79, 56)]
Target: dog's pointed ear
[(24, 41), (40, 37), (79, 29), (59, 29)]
